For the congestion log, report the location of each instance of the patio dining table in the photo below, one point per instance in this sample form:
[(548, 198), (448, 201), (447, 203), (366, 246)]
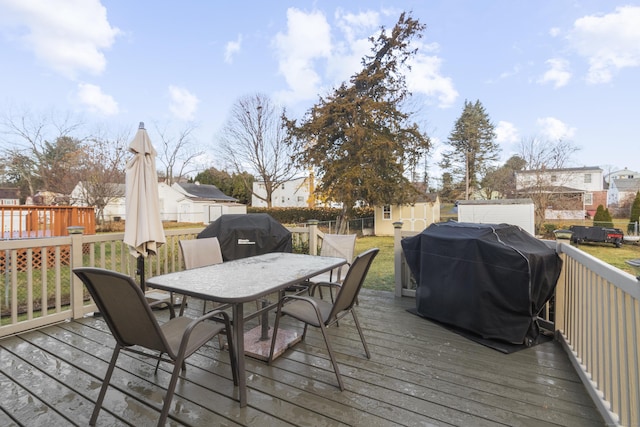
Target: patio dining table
[(244, 280)]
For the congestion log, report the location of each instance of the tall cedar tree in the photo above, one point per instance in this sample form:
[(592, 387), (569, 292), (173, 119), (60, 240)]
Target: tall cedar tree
[(473, 149), (635, 213), (357, 139)]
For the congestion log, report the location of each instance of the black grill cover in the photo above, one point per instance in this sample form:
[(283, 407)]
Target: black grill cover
[(489, 279), (244, 235)]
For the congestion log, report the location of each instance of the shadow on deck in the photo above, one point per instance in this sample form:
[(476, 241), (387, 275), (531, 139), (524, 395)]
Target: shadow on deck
[(424, 375)]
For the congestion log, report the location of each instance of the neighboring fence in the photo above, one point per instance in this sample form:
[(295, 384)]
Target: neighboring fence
[(29, 222), (597, 320)]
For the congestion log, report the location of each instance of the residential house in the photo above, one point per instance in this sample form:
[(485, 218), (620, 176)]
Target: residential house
[(203, 203), (577, 192), (622, 191), (115, 208), (621, 174), (9, 196), (180, 202), (294, 193), (415, 216)]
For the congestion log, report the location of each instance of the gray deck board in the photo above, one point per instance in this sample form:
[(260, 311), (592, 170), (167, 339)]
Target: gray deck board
[(420, 373)]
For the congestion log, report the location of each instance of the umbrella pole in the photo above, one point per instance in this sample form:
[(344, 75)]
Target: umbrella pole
[(140, 271)]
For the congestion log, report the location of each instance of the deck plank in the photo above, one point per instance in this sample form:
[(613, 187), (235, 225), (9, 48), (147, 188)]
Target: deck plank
[(420, 373)]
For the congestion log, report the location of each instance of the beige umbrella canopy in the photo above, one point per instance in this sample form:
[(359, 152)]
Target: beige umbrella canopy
[(143, 230)]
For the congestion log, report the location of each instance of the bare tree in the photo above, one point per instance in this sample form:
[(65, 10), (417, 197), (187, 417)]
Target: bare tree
[(101, 180), (253, 139), (176, 152), (37, 146), (541, 186)]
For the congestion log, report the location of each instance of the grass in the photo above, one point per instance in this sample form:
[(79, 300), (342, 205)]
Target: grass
[(617, 257), (381, 275)]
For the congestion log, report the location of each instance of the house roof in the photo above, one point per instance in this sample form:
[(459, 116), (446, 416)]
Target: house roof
[(580, 169), (205, 192), (627, 184), (9, 193)]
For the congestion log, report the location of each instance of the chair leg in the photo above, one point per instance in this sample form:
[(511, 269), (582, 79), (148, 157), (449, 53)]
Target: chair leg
[(158, 364), (178, 363), (274, 334), (334, 362), (105, 384), (364, 343), (183, 304)]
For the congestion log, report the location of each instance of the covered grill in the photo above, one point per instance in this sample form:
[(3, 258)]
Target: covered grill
[(244, 235), (488, 279)]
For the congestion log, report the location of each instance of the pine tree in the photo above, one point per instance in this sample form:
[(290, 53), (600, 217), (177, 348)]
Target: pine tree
[(602, 218), (634, 219), (473, 147), (358, 140)]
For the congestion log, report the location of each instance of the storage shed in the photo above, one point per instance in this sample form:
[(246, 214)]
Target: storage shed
[(518, 212)]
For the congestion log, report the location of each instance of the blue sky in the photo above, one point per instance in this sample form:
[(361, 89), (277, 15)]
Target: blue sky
[(546, 69)]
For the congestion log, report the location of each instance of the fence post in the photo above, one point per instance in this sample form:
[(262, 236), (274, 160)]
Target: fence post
[(397, 256), (313, 236), (77, 302)]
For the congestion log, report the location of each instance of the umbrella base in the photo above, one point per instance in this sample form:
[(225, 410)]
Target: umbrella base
[(258, 348)]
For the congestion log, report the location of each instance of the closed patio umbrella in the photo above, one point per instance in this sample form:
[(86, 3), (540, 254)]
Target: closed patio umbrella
[(143, 230)]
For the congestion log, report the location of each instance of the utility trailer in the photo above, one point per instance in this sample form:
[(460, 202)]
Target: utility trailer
[(582, 233)]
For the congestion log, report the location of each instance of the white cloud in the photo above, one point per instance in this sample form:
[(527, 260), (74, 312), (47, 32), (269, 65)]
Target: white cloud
[(506, 133), (308, 38), (69, 36), (609, 42), (425, 77), (555, 130), (232, 48), (312, 57), (92, 97), (557, 73), (554, 32), (183, 103)]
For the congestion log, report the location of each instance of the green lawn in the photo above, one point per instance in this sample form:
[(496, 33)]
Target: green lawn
[(381, 276)]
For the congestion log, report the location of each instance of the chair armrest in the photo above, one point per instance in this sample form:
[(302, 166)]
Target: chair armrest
[(313, 286), (172, 311)]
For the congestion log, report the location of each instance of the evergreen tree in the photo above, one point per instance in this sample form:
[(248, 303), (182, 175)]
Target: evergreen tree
[(357, 139), (473, 148), (602, 218), (634, 219)]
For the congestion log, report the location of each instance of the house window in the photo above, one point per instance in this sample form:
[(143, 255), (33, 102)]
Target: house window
[(386, 212), (300, 199), (554, 178), (282, 199), (587, 178), (283, 186), (588, 199)]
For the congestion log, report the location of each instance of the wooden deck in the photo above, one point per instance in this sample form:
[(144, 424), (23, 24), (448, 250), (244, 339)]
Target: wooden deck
[(426, 375)]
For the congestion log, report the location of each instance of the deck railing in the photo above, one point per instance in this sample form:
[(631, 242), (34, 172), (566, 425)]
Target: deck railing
[(39, 288), (597, 320)]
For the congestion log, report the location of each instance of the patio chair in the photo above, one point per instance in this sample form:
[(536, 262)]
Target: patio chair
[(336, 245), (321, 313), (199, 253), (133, 324)]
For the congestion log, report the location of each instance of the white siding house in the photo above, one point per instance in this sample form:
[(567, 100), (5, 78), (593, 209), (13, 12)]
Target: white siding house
[(295, 193), (202, 203), (583, 185), (181, 202)]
